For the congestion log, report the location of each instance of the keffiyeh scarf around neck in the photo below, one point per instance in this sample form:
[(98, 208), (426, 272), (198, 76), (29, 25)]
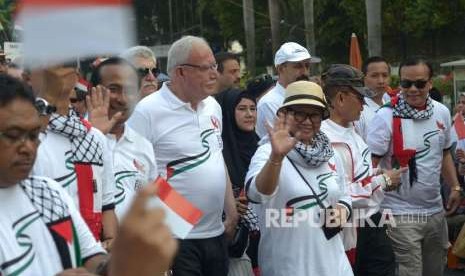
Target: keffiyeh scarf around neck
[(403, 110), (313, 155), (84, 147)]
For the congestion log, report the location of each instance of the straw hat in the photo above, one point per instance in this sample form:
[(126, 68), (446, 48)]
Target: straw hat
[(305, 93)]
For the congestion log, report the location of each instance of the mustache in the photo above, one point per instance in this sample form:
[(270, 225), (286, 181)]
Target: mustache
[(302, 77)]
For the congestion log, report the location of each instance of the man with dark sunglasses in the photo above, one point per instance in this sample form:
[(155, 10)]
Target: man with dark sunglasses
[(414, 131), (146, 64), (368, 247), (77, 97)]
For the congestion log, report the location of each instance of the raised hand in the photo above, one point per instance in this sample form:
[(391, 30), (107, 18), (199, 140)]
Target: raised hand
[(280, 137), (98, 103)]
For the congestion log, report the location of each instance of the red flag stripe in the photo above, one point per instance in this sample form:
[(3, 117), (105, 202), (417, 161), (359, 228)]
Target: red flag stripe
[(177, 202), (459, 126), (65, 3), (64, 229)]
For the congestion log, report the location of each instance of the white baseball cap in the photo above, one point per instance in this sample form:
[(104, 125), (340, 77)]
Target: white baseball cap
[(291, 51)]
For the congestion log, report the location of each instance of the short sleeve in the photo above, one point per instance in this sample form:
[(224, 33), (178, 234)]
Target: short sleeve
[(379, 133), (257, 163)]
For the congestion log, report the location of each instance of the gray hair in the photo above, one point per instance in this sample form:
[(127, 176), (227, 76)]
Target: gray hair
[(138, 51), (180, 50)]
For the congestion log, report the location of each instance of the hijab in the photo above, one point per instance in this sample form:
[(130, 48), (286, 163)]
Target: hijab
[(238, 146)]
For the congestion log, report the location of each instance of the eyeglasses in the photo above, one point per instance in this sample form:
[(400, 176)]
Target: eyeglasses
[(202, 68), (301, 116), (145, 71), (420, 84), (16, 138)]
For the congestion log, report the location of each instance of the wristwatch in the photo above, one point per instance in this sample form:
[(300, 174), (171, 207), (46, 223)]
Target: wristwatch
[(456, 188), (44, 107)]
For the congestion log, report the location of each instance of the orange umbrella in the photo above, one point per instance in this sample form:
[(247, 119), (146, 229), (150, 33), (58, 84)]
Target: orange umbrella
[(355, 55)]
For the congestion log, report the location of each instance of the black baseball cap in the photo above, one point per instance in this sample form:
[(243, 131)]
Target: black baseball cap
[(346, 75)]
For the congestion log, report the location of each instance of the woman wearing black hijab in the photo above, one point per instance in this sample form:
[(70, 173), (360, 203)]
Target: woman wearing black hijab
[(239, 145)]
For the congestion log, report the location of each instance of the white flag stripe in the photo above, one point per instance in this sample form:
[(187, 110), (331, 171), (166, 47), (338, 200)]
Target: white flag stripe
[(179, 227), (54, 36)]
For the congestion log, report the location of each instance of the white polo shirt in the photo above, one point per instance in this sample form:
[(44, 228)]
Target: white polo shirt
[(429, 138), (26, 244), (54, 160), (188, 150), (133, 165), (267, 107)]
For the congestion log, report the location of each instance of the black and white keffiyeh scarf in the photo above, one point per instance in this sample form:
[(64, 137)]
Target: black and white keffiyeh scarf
[(403, 110), (54, 212), (312, 155), (250, 220), (85, 148)]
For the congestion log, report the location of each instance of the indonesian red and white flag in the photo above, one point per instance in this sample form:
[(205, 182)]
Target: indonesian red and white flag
[(459, 126), (57, 31), (181, 215)]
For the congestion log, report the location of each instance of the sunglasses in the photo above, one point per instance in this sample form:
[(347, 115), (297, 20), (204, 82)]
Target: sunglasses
[(145, 71), (420, 84), (301, 116)]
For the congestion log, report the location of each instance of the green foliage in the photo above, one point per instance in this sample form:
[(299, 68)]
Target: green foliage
[(6, 18), (445, 87)]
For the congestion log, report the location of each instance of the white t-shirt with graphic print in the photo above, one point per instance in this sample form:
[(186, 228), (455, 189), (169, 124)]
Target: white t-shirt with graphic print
[(188, 149), (54, 160), (26, 245), (429, 138), (289, 244)]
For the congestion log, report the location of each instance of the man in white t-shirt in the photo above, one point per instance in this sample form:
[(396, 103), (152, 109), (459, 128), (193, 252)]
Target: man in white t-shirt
[(345, 93), (183, 123), (415, 132), (377, 75), (75, 154), (133, 159), (292, 62), (42, 232)]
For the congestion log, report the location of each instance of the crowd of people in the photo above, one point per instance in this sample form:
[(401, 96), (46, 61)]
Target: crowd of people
[(323, 175)]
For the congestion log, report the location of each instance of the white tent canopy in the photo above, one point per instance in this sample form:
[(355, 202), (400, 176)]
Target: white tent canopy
[(460, 62)]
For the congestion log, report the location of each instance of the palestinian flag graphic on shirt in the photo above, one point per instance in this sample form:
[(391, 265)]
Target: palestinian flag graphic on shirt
[(53, 211), (187, 163), (309, 201)]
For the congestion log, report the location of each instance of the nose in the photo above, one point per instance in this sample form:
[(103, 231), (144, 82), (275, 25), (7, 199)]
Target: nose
[(27, 146), (150, 76), (214, 74)]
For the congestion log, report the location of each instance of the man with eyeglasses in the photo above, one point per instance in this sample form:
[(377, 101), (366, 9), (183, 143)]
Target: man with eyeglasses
[(42, 231), (292, 62), (414, 131), (144, 60), (368, 248), (75, 154), (133, 160), (183, 123)]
